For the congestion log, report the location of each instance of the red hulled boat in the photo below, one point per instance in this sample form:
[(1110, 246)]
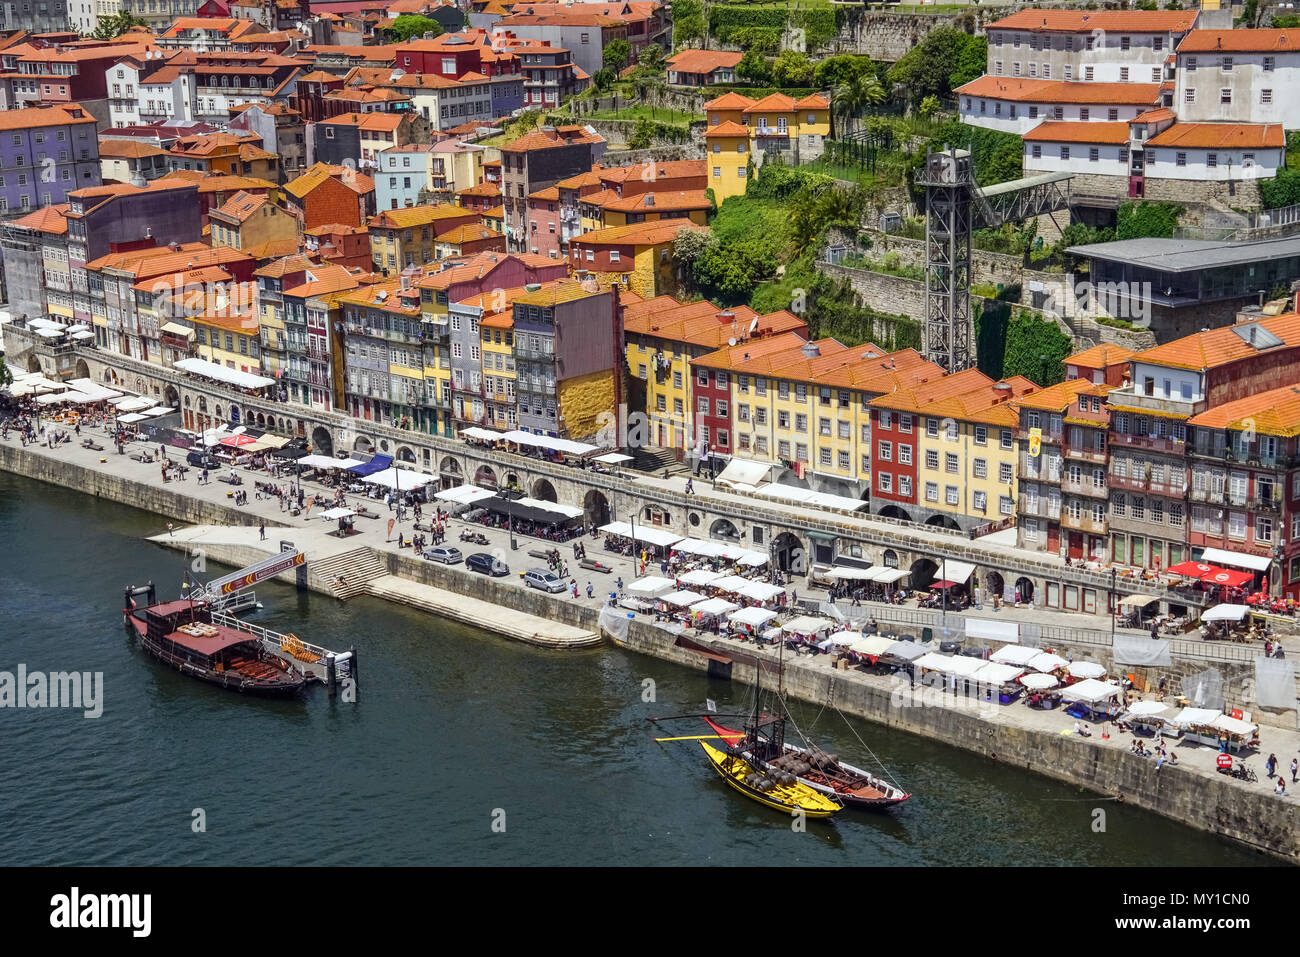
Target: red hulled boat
[(182, 635)]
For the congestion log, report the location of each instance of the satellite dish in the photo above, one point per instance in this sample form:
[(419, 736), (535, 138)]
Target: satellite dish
[(731, 341)]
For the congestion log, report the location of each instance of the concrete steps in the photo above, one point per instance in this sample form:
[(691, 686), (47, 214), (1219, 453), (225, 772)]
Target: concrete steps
[(357, 568), (657, 461)]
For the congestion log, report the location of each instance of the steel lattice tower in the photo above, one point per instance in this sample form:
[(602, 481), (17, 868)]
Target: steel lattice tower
[(949, 181)]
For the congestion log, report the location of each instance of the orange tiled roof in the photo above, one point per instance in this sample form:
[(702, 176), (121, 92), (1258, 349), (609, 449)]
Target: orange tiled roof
[(729, 101), (546, 139), (968, 396), (772, 103), (1240, 41), (1154, 116), (650, 202), (650, 172), (48, 219), (1275, 412), (469, 234), (703, 61), (1056, 398), (1086, 131), (1100, 356), (558, 292), (1112, 21), (637, 234), (727, 128), (701, 323), (33, 116), (816, 101), (1061, 91), (1221, 136), (1219, 347), (411, 216)]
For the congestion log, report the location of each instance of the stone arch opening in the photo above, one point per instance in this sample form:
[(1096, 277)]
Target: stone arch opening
[(362, 444), (486, 477), (788, 554), (203, 403), (33, 364), (322, 443), (837, 487), (405, 454), (923, 572), (789, 477), (724, 528), (942, 521), (595, 507), (82, 370), (544, 491), (1025, 590), (994, 584), (171, 396), (895, 511), (450, 472), (889, 558)]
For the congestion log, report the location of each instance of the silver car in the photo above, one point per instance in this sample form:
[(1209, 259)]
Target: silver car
[(441, 553), (544, 580)]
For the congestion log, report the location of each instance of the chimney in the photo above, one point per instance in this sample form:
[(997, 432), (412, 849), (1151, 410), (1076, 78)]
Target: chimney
[(649, 199), (810, 350)]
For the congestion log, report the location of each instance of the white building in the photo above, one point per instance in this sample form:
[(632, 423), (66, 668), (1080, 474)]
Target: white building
[(1239, 76), (151, 90), (1101, 46), (1017, 106)]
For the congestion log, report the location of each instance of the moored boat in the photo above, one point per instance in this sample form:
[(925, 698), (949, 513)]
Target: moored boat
[(182, 635), (780, 791), (813, 767)]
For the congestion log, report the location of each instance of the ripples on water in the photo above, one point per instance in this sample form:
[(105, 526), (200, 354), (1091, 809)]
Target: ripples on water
[(451, 724)]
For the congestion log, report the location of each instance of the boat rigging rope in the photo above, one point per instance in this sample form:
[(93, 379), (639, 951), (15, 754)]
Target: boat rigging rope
[(881, 764)]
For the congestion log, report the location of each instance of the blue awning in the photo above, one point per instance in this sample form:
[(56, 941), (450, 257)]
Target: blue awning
[(377, 464)]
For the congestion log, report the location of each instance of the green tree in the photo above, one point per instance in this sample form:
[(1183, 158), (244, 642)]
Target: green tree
[(116, 24), (1036, 349), (1146, 220), (929, 106), (603, 80), (753, 67), (1288, 21), (850, 100), (945, 59), (641, 136), (651, 58), (762, 39), (617, 54), (411, 26), (792, 68), (835, 70), (688, 29)]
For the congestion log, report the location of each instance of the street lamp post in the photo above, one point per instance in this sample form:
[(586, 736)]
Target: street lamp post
[(632, 516), (1113, 609)]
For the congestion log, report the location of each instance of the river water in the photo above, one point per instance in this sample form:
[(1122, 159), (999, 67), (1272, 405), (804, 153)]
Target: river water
[(454, 729)]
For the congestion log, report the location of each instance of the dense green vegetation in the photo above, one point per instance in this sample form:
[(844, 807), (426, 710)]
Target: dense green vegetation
[(1035, 349), (410, 26), (943, 61)]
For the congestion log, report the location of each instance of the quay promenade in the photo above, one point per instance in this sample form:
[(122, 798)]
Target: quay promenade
[(1191, 791), (785, 530)]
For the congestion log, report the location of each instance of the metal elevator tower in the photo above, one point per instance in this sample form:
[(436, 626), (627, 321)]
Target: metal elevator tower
[(955, 206), (949, 181)]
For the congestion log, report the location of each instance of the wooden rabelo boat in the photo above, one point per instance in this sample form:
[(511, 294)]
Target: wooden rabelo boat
[(182, 635), (782, 792)]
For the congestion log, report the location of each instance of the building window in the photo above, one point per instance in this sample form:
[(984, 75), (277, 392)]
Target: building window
[(980, 468), (932, 491), (1225, 95), (1180, 159), (981, 501), (951, 495), (1266, 96)]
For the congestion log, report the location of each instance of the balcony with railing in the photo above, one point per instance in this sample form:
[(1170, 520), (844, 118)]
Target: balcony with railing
[(1080, 453), (1139, 483), (1131, 397), (1152, 443), (1038, 508), (1085, 487), (526, 354), (1083, 522)]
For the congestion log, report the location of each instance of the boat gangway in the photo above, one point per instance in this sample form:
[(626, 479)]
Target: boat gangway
[(330, 668)]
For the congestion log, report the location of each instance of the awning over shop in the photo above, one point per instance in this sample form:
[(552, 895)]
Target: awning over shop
[(377, 464), (1092, 691), (651, 586), (954, 571), (404, 480), (483, 435), (518, 511), (519, 437), (176, 329), (650, 535), (1137, 601), (569, 511), (1191, 569), (210, 370), (1225, 613), (753, 617), (612, 458), (1221, 556), (806, 496), (464, 494), (744, 474)]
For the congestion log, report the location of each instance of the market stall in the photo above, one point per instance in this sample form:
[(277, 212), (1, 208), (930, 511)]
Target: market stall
[(1093, 700)]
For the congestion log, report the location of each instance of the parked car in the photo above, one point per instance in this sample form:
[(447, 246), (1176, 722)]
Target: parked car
[(448, 556), (202, 460), (484, 563), (544, 580)]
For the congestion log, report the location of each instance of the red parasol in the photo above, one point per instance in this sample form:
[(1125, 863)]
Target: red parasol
[(1192, 569), (234, 441), (1228, 578)]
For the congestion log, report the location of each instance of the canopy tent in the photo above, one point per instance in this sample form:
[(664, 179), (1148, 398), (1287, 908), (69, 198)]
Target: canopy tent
[(698, 577), (236, 441), (760, 591), (1092, 691), (612, 458), (996, 673), (568, 447), (1221, 556), (326, 462), (297, 452), (1196, 717), (1225, 613), (176, 329), (845, 573), (806, 496), (698, 546), (134, 404), (524, 513), (649, 535), (1137, 601), (906, 650), (1015, 655), (334, 513), (483, 435), (132, 418), (958, 665), (683, 599), (211, 370), (93, 388), (752, 560), (985, 630), (732, 583), (1228, 578), (45, 332), (1226, 722), (652, 586), (404, 480), (716, 607), (1046, 661), (1192, 569), (167, 410), (1085, 669), (568, 511), (743, 474), (875, 645), (376, 464), (1148, 711), (954, 571), (753, 617), (463, 494), (54, 398), (843, 637), (1038, 682), (806, 625)]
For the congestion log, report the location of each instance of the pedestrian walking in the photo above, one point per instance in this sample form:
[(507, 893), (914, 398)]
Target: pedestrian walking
[(690, 486), (1295, 769), (590, 590), (574, 585), (619, 584), (170, 529), (1270, 764), (388, 500), (261, 529)]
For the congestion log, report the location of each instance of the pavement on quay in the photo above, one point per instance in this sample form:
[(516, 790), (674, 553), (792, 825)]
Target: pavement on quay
[(1200, 759)]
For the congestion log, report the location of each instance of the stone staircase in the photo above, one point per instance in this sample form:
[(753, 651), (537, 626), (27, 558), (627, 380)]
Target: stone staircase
[(357, 568), (657, 461)]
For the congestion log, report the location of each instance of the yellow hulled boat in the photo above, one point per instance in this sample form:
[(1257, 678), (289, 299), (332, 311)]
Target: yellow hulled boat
[(742, 776)]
